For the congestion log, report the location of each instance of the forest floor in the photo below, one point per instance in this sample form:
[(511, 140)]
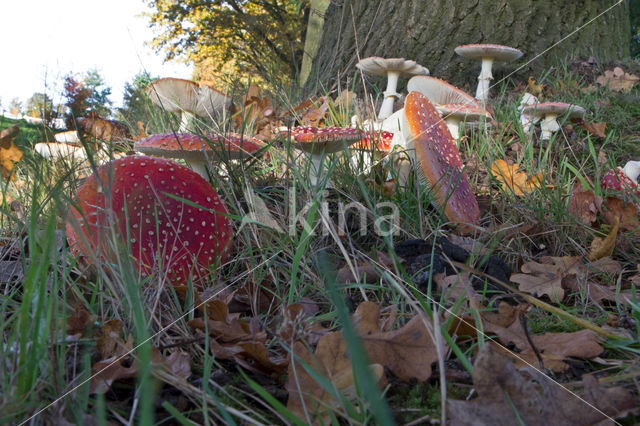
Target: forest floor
[(536, 315)]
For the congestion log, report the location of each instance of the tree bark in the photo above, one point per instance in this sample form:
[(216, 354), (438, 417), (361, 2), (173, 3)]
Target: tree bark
[(428, 31)]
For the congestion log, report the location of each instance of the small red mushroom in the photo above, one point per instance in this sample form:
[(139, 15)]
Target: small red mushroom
[(133, 194), (617, 180), (440, 161), (376, 141), (320, 141)]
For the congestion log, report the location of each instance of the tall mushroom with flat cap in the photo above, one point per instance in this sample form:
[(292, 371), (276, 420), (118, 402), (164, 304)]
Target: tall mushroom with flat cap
[(196, 150), (140, 199), (393, 68), (488, 53), (440, 162), (186, 98), (549, 113), (319, 142)]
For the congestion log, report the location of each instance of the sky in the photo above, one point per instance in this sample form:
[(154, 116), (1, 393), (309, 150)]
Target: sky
[(52, 38)]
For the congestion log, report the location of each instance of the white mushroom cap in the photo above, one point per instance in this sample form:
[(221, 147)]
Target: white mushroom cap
[(463, 111), (70, 136), (178, 95), (381, 66), (60, 151), (497, 52), (554, 108), (440, 92)]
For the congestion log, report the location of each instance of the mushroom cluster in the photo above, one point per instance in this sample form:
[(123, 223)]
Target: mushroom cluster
[(164, 215)]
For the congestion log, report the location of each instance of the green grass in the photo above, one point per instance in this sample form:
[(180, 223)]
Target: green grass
[(276, 269)]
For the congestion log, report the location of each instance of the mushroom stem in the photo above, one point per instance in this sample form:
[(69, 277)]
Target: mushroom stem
[(549, 125), (453, 123), (185, 121), (200, 167), (484, 80), (632, 170), (315, 174), (390, 95)]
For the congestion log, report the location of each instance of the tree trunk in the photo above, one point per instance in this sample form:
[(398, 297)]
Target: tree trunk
[(428, 31)]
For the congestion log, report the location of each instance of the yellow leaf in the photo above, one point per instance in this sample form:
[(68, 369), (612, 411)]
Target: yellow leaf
[(9, 152), (533, 88), (513, 180), (604, 247)]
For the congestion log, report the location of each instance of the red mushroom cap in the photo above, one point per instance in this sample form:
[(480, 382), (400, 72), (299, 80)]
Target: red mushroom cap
[(187, 146), (377, 141), (317, 140), (132, 194), (440, 161), (617, 180)]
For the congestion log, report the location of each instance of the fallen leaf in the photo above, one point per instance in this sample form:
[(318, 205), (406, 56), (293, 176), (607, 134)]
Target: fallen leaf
[(10, 154), (533, 88), (617, 80), (365, 272), (584, 204), (507, 396), (604, 247), (595, 129), (109, 342), (626, 213), (77, 323), (513, 180), (546, 277), (407, 352), (107, 371), (178, 364)]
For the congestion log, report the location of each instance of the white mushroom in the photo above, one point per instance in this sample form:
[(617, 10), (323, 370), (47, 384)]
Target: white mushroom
[(527, 121), (187, 98), (488, 53), (393, 68), (632, 170), (70, 137), (549, 112)]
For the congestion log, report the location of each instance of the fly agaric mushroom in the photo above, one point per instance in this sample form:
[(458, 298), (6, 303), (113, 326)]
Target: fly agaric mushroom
[(440, 92), (393, 68), (136, 195), (186, 98), (440, 162), (454, 114), (378, 144), (622, 179), (455, 105), (549, 112), (488, 53), (319, 142), (195, 149)]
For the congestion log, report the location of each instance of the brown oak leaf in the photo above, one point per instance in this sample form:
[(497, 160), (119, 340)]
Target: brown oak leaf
[(546, 277), (508, 396)]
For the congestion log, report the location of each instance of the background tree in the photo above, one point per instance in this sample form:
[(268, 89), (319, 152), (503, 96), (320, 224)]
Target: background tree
[(15, 106), (39, 105), (263, 37), (429, 30), (135, 102), (85, 93)]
